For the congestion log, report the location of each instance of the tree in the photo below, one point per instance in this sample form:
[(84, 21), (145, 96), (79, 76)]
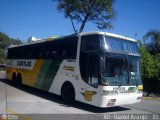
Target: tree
[(153, 38), (100, 12), (150, 59), (5, 41), (150, 71), (148, 64)]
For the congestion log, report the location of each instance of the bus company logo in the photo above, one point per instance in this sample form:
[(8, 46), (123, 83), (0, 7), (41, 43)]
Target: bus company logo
[(88, 95), (24, 63), (4, 116)]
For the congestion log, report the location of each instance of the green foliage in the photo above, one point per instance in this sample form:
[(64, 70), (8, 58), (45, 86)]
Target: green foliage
[(157, 68), (150, 70), (150, 57), (148, 63), (100, 12), (152, 41), (5, 41)]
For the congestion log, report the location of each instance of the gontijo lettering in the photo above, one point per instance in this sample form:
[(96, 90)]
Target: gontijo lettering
[(24, 63)]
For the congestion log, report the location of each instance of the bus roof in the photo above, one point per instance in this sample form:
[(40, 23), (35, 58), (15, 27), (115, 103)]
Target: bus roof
[(41, 41), (108, 34), (79, 34)]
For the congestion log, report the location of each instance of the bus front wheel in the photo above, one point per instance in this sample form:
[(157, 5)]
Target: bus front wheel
[(68, 93)]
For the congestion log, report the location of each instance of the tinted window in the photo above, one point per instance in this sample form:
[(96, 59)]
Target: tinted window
[(65, 48), (90, 43), (26, 52), (36, 51), (68, 48), (10, 54), (89, 68), (51, 49), (15, 53)]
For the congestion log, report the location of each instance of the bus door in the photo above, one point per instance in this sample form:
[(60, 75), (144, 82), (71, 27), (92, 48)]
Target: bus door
[(88, 86)]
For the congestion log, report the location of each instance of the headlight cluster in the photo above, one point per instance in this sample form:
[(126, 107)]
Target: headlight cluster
[(106, 92)]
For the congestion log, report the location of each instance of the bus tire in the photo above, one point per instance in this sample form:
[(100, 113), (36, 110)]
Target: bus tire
[(19, 79), (68, 92), (14, 77)]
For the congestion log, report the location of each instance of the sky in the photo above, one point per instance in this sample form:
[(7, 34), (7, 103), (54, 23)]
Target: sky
[(40, 18)]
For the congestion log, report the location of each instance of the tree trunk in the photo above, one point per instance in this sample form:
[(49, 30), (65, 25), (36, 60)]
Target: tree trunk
[(73, 25), (83, 23), (82, 26)]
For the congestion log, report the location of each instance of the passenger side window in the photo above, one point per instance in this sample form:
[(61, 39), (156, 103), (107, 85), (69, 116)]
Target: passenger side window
[(68, 48), (51, 49), (33, 51)]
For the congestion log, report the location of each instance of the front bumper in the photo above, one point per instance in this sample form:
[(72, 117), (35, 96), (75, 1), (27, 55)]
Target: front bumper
[(118, 100)]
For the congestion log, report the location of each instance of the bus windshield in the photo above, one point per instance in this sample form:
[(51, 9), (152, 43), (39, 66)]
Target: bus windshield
[(120, 45), (134, 70), (121, 70)]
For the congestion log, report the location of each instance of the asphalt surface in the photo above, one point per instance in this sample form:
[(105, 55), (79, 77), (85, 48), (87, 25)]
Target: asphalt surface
[(32, 103)]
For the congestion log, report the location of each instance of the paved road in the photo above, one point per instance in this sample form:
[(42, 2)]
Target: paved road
[(26, 100)]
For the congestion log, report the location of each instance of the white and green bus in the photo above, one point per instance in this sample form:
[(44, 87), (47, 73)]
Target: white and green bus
[(97, 68)]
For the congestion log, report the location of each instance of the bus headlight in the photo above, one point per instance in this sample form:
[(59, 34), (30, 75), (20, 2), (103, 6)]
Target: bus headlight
[(106, 92)]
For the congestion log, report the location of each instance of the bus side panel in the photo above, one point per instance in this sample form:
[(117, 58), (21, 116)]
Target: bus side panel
[(9, 72), (65, 73), (29, 77), (40, 74), (47, 74)]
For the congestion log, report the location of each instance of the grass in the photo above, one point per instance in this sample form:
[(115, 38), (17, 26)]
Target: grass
[(151, 98)]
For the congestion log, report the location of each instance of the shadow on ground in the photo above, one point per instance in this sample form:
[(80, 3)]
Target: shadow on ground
[(57, 99)]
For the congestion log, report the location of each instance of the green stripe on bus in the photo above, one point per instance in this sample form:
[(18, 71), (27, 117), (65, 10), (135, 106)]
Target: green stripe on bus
[(50, 75), (42, 73)]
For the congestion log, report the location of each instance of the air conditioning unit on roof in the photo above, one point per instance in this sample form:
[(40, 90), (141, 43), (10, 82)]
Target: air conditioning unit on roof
[(32, 39)]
